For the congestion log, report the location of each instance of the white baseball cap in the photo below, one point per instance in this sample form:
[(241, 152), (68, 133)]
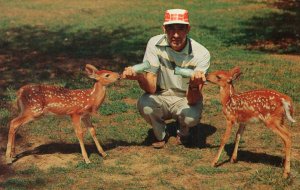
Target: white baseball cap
[(176, 16)]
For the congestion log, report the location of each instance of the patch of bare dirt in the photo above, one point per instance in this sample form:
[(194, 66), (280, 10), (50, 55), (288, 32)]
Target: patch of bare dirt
[(287, 4), (45, 161), (273, 45), (25, 148), (130, 101)]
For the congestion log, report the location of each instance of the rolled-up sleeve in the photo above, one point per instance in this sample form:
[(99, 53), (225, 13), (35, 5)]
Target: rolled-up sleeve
[(151, 56), (203, 62)]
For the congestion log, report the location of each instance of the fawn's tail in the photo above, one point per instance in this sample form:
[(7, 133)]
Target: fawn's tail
[(288, 108)]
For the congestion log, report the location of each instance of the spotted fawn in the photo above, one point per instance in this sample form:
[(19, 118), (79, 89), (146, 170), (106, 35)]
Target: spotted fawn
[(37, 100), (268, 106)]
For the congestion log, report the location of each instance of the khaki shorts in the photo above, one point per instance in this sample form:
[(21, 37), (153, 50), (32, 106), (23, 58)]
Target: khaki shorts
[(156, 108)]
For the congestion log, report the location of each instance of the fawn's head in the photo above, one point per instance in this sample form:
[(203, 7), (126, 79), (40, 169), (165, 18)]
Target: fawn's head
[(105, 77), (223, 78)]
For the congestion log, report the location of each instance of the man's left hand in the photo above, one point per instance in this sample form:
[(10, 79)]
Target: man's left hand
[(198, 75)]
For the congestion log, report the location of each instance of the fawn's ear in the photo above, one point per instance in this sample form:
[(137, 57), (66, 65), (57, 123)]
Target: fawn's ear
[(91, 70), (236, 73)]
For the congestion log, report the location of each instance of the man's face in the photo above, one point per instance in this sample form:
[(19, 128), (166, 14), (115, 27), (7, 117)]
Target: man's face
[(176, 34)]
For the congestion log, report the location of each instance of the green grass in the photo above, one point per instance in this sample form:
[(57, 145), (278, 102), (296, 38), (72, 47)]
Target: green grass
[(268, 177), (28, 171), (51, 41), (16, 183), (208, 170), (5, 116), (115, 107)]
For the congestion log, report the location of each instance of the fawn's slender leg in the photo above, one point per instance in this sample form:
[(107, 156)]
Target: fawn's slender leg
[(288, 145), (87, 122), (237, 141), (76, 119), (14, 125), (282, 131), (223, 142)]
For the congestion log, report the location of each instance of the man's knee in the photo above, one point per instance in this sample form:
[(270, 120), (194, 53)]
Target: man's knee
[(190, 117), (191, 121), (146, 104)]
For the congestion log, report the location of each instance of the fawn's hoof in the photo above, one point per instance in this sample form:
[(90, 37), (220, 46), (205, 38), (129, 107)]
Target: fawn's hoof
[(214, 164), (104, 155), (233, 160), (9, 160), (286, 175)]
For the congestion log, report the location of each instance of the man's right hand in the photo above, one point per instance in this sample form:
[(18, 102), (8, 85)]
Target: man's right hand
[(129, 73)]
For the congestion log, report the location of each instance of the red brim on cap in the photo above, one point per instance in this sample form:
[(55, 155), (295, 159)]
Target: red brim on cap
[(175, 22)]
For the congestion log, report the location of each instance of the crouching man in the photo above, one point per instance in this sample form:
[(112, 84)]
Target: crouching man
[(168, 95)]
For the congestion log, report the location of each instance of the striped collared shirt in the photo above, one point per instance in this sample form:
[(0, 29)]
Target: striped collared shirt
[(163, 60)]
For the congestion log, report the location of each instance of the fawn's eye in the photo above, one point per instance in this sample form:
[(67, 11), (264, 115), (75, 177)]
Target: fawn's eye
[(218, 77), (106, 75)]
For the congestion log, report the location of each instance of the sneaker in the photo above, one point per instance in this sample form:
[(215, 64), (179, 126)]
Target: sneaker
[(178, 140), (159, 144)]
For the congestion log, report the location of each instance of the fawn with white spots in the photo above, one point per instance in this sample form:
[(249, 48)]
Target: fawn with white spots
[(268, 106), (37, 100)]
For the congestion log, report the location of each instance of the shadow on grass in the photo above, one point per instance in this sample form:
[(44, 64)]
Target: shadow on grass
[(4, 168), (38, 54), (70, 148), (253, 157), (63, 148), (197, 139), (275, 32)]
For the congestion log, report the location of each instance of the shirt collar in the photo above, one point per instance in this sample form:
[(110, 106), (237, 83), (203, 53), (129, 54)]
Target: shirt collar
[(163, 42)]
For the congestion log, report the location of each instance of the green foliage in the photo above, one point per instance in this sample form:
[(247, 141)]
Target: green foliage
[(121, 170), (161, 160), (134, 92), (58, 170), (5, 116), (209, 170), (124, 133), (269, 176), (114, 108), (83, 166), (126, 118), (29, 171), (16, 183), (116, 95), (193, 156), (169, 185), (10, 94), (127, 90), (216, 105)]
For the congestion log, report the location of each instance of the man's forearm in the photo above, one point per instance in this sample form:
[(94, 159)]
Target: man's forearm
[(194, 92), (194, 95), (147, 82)]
